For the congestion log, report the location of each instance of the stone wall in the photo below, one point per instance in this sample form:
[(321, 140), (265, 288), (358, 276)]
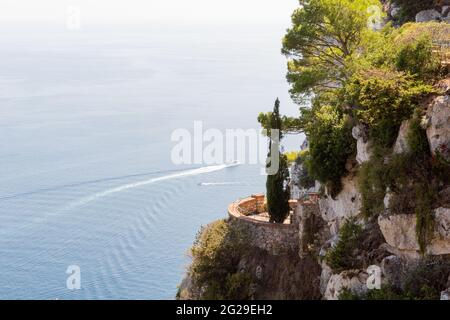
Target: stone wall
[(274, 238), (297, 236)]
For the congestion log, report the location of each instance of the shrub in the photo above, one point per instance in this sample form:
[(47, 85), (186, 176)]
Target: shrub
[(420, 49), (382, 99), (330, 145), (417, 139), (216, 253), (409, 32), (426, 196), (372, 185), (413, 179), (387, 292), (305, 180), (423, 281), (427, 279), (418, 59), (341, 256)]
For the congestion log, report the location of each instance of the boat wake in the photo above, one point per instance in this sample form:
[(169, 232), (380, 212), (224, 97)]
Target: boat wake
[(83, 183), (182, 174), (222, 184)]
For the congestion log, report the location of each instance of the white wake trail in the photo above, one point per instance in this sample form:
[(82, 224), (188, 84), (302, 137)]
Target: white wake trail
[(182, 174), (219, 184)]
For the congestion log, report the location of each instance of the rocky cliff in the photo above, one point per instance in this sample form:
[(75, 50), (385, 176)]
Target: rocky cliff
[(330, 262), (399, 255), (384, 235)]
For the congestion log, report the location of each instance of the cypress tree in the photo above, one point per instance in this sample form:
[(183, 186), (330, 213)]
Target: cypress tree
[(277, 186)]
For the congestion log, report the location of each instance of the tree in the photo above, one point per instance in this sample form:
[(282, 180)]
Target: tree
[(324, 35), (277, 185)]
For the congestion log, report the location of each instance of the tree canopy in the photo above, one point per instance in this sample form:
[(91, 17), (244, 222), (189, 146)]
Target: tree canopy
[(323, 36)]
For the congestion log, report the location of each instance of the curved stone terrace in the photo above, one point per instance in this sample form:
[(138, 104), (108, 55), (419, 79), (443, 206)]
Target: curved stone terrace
[(252, 209)]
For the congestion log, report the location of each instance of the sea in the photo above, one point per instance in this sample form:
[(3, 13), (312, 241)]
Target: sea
[(92, 205)]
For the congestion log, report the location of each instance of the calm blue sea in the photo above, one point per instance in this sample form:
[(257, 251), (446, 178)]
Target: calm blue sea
[(85, 172)]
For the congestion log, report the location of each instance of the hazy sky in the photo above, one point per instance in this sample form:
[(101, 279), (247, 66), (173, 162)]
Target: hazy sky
[(148, 10)]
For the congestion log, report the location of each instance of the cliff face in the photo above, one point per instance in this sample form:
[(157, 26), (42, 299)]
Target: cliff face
[(243, 269), (280, 277), (333, 248), (399, 255)]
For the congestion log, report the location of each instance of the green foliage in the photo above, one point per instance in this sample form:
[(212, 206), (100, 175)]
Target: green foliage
[(323, 36), (427, 279), (425, 191), (272, 120), (420, 48), (278, 193), (216, 254), (330, 145), (382, 99), (301, 158), (399, 172), (306, 181), (418, 59), (413, 179), (441, 168), (277, 188), (341, 256), (356, 75), (372, 185), (423, 281), (386, 292), (426, 195), (238, 285), (417, 139)]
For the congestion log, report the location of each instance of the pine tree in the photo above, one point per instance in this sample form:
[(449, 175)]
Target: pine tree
[(277, 186)]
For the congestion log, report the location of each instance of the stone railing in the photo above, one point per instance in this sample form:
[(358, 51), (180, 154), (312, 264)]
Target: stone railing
[(275, 238)]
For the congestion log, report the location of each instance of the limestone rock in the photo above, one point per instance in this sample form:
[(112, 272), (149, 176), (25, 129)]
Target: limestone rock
[(362, 145), (395, 10), (438, 131), (401, 144), (347, 203), (387, 198), (399, 231), (428, 15), (445, 11), (353, 280), (325, 277), (441, 242)]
